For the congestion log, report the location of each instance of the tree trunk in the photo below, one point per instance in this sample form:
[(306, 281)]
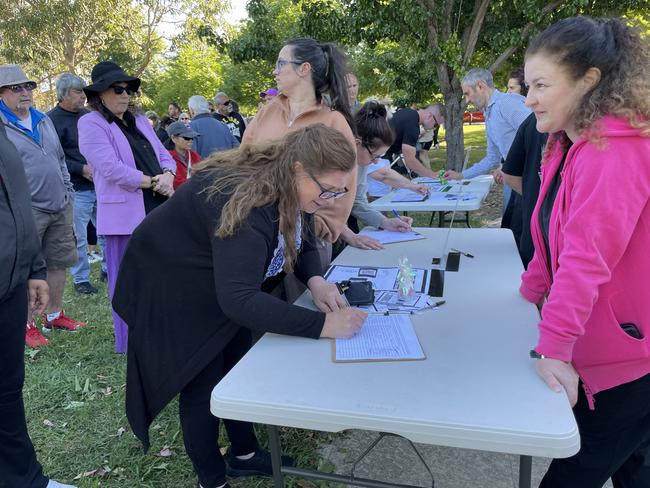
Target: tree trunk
[(454, 106)]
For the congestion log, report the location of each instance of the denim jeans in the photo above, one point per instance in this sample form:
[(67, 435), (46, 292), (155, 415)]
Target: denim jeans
[(85, 210)]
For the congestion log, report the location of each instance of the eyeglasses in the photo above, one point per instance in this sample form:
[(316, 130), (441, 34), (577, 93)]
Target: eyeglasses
[(326, 194), (188, 138), (28, 87), (373, 158), (185, 118), (281, 62), (227, 102), (121, 89)]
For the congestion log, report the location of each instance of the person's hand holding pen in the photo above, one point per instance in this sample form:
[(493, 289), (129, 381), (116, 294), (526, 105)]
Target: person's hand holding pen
[(397, 223)]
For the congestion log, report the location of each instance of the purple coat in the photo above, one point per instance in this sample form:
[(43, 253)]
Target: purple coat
[(120, 206)]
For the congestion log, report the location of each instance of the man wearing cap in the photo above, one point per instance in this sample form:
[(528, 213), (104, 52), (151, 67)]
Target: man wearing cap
[(224, 113), (182, 136), (69, 91), (212, 136), (37, 142)]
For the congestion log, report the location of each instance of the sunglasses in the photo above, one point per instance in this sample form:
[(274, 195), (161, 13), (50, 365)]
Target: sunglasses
[(326, 194), (188, 138), (121, 89), (28, 87)]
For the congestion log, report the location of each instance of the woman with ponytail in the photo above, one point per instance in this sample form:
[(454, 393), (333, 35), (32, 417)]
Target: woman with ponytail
[(589, 87), (305, 72), (374, 136)]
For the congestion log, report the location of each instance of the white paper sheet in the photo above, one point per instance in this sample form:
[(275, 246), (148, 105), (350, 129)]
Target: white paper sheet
[(391, 237), (404, 195), (381, 278), (382, 337)]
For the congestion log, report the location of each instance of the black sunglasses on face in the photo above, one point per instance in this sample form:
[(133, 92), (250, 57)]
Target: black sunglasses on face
[(28, 87), (188, 138), (121, 89), (326, 194)]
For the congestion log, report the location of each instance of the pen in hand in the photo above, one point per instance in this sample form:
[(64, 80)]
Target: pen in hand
[(397, 215)]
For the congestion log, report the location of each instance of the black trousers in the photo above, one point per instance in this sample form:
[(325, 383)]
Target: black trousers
[(201, 428), (19, 467), (615, 441)]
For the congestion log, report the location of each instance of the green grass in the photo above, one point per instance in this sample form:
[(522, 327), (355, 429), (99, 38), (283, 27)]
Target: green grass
[(74, 401)]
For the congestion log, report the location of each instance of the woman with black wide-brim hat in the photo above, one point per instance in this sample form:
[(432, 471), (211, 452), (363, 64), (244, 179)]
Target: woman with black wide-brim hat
[(132, 171)]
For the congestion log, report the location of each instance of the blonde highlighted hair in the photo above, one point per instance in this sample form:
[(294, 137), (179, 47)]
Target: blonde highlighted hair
[(255, 175)]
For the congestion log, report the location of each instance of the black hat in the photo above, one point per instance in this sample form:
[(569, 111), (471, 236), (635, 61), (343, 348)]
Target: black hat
[(106, 73)]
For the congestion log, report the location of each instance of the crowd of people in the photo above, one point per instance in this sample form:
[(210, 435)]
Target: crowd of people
[(260, 208)]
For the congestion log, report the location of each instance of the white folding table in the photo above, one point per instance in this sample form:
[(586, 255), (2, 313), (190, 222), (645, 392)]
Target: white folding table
[(479, 187), (477, 388)]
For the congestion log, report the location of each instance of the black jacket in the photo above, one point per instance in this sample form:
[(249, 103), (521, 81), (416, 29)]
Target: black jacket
[(185, 293), (20, 248), (65, 123)]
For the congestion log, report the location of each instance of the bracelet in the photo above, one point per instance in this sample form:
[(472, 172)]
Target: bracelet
[(167, 170)]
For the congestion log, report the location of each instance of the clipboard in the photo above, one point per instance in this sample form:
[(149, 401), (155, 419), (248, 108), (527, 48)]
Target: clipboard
[(359, 349)]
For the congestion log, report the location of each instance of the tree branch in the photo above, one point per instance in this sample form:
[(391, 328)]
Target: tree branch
[(480, 10), (523, 35)]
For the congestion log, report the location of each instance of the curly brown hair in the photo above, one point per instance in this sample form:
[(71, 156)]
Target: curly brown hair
[(255, 175), (623, 58)]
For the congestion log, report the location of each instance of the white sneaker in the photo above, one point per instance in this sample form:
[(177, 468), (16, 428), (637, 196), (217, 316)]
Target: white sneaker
[(56, 484)]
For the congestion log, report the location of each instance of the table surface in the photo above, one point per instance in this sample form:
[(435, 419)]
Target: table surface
[(477, 388), (479, 186)]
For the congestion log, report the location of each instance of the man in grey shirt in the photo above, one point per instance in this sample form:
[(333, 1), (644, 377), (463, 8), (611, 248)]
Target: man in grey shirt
[(37, 142)]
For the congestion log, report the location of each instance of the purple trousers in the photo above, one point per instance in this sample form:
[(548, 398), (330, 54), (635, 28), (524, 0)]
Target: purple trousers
[(115, 247)]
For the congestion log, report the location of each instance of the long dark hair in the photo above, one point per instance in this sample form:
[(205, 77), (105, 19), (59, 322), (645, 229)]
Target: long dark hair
[(328, 70), (372, 125), (623, 58), (259, 174)]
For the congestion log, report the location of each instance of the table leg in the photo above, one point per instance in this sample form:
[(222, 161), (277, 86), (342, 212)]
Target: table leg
[(276, 455), (525, 471)]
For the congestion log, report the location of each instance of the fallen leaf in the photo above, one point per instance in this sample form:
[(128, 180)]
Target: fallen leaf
[(120, 431), (107, 391), (223, 450), (48, 423), (165, 452), (156, 427), (72, 405), (94, 473)]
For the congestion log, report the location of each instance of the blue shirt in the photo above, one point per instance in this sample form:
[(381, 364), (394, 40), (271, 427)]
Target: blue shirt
[(213, 135), (503, 116), (13, 119)]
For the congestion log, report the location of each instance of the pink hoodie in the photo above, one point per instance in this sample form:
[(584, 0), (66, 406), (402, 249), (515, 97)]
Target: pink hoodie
[(599, 239)]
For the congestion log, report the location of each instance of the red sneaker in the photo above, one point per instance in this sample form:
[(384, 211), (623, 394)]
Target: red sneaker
[(63, 322), (33, 336)]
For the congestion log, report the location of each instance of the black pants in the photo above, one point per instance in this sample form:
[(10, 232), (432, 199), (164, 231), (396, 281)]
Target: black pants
[(615, 441), (201, 428), (19, 467)]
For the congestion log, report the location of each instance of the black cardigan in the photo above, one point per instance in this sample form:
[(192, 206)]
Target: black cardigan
[(185, 293)]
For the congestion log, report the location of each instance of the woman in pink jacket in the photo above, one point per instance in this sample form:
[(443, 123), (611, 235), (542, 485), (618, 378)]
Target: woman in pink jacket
[(589, 85), (132, 171)]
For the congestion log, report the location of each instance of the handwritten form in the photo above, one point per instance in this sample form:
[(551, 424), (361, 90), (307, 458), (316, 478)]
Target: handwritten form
[(382, 338)]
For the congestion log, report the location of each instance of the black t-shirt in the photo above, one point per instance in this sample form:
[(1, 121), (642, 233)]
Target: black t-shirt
[(235, 123), (145, 158), (524, 159), (406, 125), (547, 207)]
